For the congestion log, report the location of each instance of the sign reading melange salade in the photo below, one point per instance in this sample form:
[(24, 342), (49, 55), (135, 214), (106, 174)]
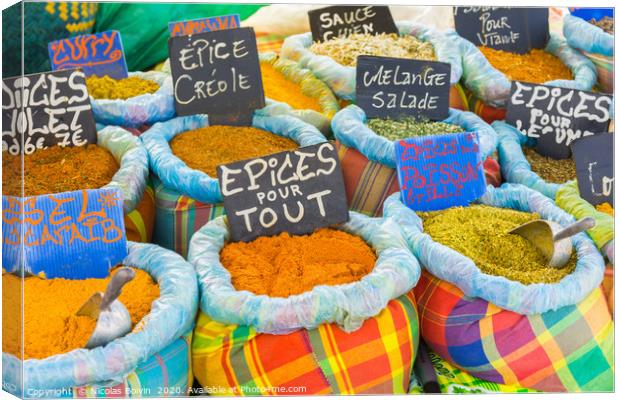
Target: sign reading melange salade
[(191, 27), (396, 87), (341, 21), (594, 162), (294, 191)]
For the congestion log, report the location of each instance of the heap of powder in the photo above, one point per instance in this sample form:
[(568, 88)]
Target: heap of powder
[(278, 87), (108, 88), (536, 66)]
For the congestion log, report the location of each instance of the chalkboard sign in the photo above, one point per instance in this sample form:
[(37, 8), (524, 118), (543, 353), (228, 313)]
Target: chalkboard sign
[(73, 235), (441, 171), (293, 191), (216, 72), (556, 116), (396, 87), (191, 27), (341, 21), (47, 109), (593, 158), (97, 54), (513, 29)]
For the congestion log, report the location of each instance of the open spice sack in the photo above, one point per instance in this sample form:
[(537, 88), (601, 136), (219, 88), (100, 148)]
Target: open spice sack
[(152, 360), (118, 160), (366, 151), (184, 152), (334, 61), (331, 312), (143, 98), (485, 295)]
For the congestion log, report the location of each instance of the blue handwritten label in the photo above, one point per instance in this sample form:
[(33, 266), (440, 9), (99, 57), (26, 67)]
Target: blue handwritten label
[(190, 27), (441, 171), (73, 235), (97, 54)]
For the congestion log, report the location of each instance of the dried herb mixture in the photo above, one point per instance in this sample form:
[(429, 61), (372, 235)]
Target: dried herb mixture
[(550, 169), (409, 127), (606, 23)]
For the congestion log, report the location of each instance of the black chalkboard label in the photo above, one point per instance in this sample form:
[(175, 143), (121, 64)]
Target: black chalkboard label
[(593, 158), (341, 21), (216, 72), (47, 109), (396, 87), (513, 29), (556, 116), (293, 191)]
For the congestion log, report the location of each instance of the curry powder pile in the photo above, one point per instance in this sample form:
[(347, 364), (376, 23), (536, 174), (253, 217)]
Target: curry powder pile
[(108, 88), (206, 148), (550, 169), (345, 50), (50, 324), (536, 66), (285, 265), (481, 233), (278, 87), (58, 169), (409, 127)]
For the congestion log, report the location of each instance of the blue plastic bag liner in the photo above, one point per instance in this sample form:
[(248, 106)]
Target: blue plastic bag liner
[(585, 36), (73, 235), (395, 273), (455, 268), (140, 110), (349, 127), (176, 175), (515, 167), (171, 316), (341, 79), (493, 87)]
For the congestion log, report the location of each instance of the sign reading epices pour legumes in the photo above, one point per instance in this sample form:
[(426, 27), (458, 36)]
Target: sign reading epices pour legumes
[(216, 72), (556, 116), (593, 156), (47, 109), (341, 21), (292, 191), (441, 171), (395, 87)]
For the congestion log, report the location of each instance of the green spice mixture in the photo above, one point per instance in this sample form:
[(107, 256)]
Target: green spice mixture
[(481, 233), (606, 23), (345, 50), (550, 169), (409, 127)]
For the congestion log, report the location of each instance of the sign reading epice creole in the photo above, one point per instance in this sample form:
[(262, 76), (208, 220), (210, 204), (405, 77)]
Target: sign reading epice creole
[(341, 21), (556, 116), (293, 191), (97, 54), (437, 172), (594, 162), (50, 108), (191, 27), (216, 72), (76, 235), (395, 87)]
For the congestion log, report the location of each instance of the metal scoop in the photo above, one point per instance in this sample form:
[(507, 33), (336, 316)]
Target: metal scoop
[(113, 319), (552, 239)]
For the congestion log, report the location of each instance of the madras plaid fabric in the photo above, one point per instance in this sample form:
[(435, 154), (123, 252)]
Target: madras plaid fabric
[(140, 222), (608, 287), (377, 358), (164, 374), (178, 217), (484, 111), (570, 349)]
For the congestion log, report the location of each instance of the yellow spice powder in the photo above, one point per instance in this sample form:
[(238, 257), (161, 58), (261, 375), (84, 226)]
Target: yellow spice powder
[(278, 87), (108, 88), (537, 66)]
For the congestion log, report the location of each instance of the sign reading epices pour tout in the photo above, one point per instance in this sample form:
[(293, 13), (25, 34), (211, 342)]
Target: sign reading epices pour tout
[(556, 116), (395, 87), (292, 191), (50, 108), (341, 21)]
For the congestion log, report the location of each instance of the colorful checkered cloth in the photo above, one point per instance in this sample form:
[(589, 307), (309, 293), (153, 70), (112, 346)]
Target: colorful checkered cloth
[(484, 111), (139, 223), (376, 358), (570, 349)]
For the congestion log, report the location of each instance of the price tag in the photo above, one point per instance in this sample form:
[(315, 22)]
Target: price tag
[(74, 235), (191, 27), (216, 72), (292, 191), (396, 87), (96, 54), (47, 109), (341, 21), (441, 171), (556, 116), (594, 162)]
